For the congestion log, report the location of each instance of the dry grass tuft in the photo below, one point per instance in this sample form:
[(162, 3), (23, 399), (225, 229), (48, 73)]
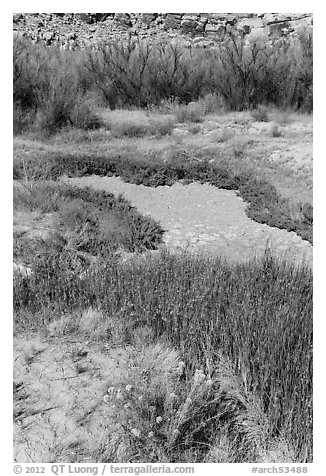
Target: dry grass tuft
[(192, 112), (276, 131), (222, 136), (260, 114), (138, 124)]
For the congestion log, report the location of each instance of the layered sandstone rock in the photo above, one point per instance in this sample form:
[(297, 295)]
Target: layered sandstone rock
[(71, 30)]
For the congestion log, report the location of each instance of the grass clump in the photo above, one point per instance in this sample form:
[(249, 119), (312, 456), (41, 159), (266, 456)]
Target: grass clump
[(223, 136), (128, 129), (138, 124), (260, 114), (276, 131), (161, 126), (161, 417), (192, 112), (212, 103)]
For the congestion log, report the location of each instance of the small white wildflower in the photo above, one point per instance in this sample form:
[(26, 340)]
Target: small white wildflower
[(199, 376), (140, 398), (135, 432), (150, 434), (209, 382), (181, 368), (128, 388), (119, 395), (110, 390), (106, 398), (159, 419)]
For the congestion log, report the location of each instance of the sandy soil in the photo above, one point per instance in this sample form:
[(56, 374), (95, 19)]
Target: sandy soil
[(203, 218), (59, 384)]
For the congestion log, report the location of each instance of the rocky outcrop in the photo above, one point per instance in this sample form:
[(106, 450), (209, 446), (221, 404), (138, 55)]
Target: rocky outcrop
[(71, 30)]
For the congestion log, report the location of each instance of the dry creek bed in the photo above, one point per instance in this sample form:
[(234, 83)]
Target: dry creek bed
[(203, 218)]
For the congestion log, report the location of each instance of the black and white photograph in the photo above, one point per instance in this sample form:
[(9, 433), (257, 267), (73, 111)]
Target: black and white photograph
[(162, 240)]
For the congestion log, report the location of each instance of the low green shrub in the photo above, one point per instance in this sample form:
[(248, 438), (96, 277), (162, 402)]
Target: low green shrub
[(128, 129), (161, 126), (260, 114), (276, 131), (90, 221), (83, 115), (223, 136), (21, 119), (139, 126), (194, 128), (192, 112), (168, 105), (211, 103)]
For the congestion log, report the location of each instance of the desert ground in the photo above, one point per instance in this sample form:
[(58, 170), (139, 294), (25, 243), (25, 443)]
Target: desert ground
[(64, 369), (163, 239)]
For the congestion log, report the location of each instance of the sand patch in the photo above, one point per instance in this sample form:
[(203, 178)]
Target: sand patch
[(203, 218)]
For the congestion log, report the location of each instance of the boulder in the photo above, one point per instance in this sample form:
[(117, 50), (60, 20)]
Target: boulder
[(48, 36), (215, 28), (123, 19), (278, 29), (189, 24), (231, 19), (244, 30), (99, 17), (203, 20), (172, 21), (17, 17), (200, 27), (251, 22), (84, 17), (148, 18), (217, 17), (20, 269)]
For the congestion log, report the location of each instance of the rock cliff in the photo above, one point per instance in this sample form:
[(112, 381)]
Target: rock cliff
[(73, 30)]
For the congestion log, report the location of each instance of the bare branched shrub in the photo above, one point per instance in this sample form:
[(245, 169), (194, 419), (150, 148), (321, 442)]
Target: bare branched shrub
[(239, 73), (140, 74), (48, 92)]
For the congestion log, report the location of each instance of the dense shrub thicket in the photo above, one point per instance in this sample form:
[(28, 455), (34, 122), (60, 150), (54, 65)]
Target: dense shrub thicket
[(52, 87)]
